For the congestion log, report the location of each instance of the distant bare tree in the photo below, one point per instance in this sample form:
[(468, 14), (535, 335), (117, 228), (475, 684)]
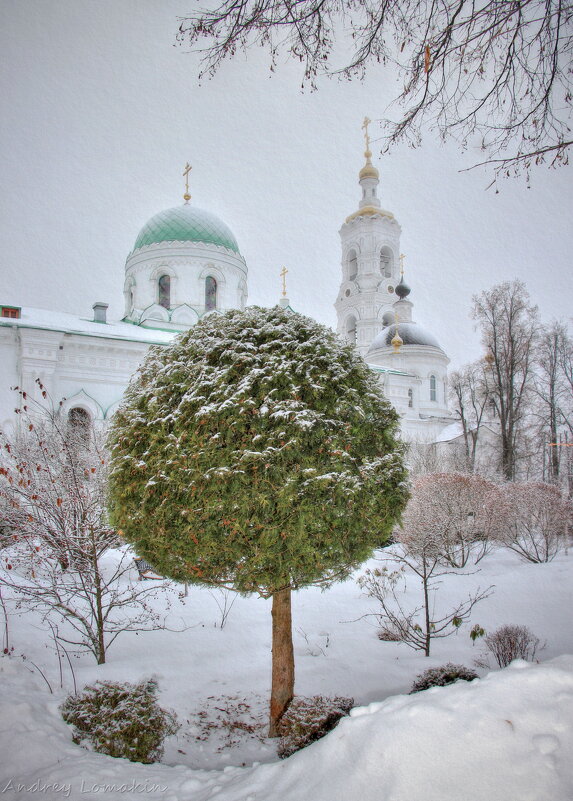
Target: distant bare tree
[(60, 561), (469, 393), (509, 328), (423, 458), (565, 364), (497, 73), (551, 391)]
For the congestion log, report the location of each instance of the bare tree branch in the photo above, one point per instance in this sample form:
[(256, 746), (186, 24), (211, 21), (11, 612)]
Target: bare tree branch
[(495, 74)]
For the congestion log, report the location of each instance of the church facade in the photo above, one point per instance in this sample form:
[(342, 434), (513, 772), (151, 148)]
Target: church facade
[(186, 264)]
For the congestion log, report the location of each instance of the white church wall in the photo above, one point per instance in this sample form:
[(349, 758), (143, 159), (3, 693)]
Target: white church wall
[(188, 264)]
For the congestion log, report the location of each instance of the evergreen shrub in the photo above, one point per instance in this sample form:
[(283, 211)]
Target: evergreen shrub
[(308, 719), (120, 720), (442, 675)]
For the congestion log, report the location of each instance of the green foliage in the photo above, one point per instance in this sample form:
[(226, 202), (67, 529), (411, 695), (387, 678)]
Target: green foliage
[(477, 632), (309, 719), (440, 676), (256, 452), (120, 720)]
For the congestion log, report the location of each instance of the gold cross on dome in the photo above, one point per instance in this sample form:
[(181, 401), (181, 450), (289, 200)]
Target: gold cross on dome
[(186, 171), (365, 125), (283, 275), (402, 257)]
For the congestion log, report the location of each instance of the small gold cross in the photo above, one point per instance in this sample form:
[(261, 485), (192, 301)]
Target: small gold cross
[(186, 171), (402, 257), (365, 125), (283, 274)]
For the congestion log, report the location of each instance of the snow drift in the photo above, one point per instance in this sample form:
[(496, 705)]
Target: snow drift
[(509, 735)]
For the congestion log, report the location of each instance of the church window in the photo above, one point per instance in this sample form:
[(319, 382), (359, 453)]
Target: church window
[(164, 291), (386, 262), (351, 330), (80, 422), (410, 398), (352, 265), (210, 293), (433, 391)]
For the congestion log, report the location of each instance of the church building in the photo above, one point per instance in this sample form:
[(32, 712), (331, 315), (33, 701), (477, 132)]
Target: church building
[(375, 314), (185, 264)]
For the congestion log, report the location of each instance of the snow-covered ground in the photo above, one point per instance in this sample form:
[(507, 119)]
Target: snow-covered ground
[(507, 736)]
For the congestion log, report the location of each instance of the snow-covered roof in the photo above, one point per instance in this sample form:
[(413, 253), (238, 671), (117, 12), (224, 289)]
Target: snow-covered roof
[(377, 369), (71, 324), (450, 432)]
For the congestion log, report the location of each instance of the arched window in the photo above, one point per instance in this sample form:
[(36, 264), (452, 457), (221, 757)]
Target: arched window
[(164, 291), (386, 262), (352, 265), (410, 398), (80, 422), (130, 298), (210, 293), (433, 392), (351, 330), (129, 295)]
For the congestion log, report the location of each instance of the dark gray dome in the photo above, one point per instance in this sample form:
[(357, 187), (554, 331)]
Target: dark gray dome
[(402, 290), (410, 333)]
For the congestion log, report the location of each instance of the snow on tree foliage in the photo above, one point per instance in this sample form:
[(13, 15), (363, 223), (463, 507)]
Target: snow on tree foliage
[(256, 452)]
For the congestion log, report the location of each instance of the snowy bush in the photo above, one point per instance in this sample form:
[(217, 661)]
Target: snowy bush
[(538, 518), (440, 676), (512, 642), (309, 719), (120, 720)]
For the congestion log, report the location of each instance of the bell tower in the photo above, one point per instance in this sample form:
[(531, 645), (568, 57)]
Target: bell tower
[(370, 240)]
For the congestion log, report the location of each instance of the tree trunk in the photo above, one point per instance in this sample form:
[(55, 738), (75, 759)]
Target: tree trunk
[(99, 618), (283, 659), (428, 634)]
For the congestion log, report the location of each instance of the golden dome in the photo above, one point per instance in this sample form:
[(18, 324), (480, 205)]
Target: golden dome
[(368, 171), (396, 341)]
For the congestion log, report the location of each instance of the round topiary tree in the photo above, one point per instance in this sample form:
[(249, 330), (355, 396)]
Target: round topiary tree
[(257, 453)]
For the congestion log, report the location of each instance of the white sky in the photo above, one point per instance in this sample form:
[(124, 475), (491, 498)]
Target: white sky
[(100, 112)]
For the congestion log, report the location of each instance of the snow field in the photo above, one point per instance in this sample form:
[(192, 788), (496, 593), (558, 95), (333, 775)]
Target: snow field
[(507, 736)]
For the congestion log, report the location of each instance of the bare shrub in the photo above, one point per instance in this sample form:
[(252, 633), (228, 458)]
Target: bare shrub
[(537, 520), (388, 633), (457, 512), (62, 559), (415, 627), (512, 642)]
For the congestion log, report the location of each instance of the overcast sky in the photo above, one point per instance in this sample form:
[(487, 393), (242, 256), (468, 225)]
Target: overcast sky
[(100, 112)]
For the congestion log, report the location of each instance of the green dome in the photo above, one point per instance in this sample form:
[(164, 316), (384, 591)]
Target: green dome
[(186, 224)]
